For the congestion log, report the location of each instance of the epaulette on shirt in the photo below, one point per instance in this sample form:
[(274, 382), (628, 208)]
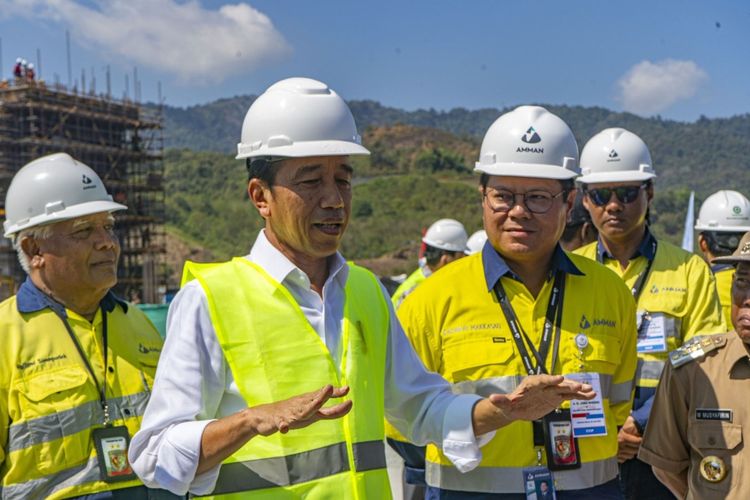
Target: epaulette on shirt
[(696, 348)]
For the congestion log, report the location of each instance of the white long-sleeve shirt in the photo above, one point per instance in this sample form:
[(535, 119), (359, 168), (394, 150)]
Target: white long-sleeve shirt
[(195, 386)]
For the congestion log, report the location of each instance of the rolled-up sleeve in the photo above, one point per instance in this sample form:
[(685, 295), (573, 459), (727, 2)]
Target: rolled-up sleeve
[(187, 392), (420, 404)]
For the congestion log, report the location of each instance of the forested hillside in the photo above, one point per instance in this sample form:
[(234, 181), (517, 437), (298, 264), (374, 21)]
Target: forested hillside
[(421, 170)]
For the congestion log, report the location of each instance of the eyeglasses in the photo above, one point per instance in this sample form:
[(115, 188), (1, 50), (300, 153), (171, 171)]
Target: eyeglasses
[(624, 194), (535, 201)]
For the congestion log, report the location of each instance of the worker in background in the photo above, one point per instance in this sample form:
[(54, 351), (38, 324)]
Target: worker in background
[(579, 230), (18, 71), (476, 242), (283, 364), (722, 220), (695, 439), (674, 290), (77, 362), (30, 75), (444, 242), (523, 306)]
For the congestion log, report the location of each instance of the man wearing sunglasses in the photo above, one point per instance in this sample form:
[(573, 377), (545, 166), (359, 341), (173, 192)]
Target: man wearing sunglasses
[(722, 221), (674, 290), (523, 305)]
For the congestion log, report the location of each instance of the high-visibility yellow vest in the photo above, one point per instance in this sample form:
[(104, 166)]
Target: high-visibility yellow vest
[(275, 354), (458, 329), (680, 285), (408, 286), (50, 404), (724, 289)]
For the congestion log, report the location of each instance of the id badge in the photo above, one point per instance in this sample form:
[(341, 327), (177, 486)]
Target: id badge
[(112, 452), (652, 332), (538, 484), (559, 442)]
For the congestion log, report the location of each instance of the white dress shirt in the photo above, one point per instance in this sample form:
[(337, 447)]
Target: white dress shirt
[(194, 384)]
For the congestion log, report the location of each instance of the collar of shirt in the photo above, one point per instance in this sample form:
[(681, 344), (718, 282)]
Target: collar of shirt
[(31, 299), (645, 249), (281, 269), (715, 268), (495, 266), (736, 350)]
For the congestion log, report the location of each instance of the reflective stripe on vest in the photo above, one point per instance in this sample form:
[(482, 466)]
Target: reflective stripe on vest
[(274, 354), (68, 422), (46, 486), (648, 372), (298, 468), (510, 479)]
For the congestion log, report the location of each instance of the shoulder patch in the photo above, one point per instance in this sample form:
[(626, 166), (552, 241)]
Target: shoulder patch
[(696, 348)]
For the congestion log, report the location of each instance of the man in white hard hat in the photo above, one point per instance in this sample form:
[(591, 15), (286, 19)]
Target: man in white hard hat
[(283, 364), (722, 221), (77, 363), (522, 306), (445, 242), (674, 290)]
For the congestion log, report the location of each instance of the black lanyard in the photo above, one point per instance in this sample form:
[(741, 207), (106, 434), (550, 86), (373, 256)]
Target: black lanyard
[(638, 286), (552, 327), (102, 389)]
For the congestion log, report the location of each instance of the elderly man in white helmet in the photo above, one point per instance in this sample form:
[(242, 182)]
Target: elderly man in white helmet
[(722, 221), (674, 290), (77, 363), (523, 306), (284, 363), (445, 241)]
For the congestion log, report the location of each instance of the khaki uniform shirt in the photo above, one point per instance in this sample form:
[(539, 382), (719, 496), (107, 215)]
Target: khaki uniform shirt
[(700, 411)]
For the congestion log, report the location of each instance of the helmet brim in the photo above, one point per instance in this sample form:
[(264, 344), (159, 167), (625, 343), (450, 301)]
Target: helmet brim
[(88, 208), (624, 176), (533, 170), (304, 149)]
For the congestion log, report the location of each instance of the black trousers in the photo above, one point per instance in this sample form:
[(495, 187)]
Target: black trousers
[(638, 482)]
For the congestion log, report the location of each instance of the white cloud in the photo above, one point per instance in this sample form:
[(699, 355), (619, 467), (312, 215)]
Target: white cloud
[(181, 38), (651, 87)]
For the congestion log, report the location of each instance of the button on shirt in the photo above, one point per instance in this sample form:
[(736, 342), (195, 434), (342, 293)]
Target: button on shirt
[(702, 409), (194, 384)]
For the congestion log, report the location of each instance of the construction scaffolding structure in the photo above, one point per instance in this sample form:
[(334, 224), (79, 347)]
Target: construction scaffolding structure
[(121, 140)]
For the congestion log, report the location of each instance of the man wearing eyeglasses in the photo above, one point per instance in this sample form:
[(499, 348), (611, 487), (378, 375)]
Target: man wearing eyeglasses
[(522, 305), (674, 290)]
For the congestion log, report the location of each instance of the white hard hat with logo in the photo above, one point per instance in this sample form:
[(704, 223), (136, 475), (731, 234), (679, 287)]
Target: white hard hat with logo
[(446, 234), (299, 117), (51, 189), (529, 142), (615, 155), (724, 211), (475, 242)]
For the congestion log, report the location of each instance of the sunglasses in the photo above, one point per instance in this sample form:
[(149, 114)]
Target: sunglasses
[(624, 194)]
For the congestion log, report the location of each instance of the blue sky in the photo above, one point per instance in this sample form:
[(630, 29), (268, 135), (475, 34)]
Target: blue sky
[(680, 59)]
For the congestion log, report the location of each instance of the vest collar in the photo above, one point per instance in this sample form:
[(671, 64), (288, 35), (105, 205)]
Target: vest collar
[(645, 249)]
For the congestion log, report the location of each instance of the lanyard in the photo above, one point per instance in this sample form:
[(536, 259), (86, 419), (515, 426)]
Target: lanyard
[(101, 389), (638, 286), (552, 326)]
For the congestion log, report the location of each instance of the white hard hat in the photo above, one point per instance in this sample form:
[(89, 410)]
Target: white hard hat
[(446, 234), (529, 142), (31, 66), (615, 155), (51, 189), (476, 242), (724, 211), (23, 61), (18, 59), (299, 117)]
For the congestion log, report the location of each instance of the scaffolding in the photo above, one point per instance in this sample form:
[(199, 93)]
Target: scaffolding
[(121, 140)]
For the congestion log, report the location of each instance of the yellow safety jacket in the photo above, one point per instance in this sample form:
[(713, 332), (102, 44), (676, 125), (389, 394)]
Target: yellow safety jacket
[(680, 286), (724, 275), (457, 327), (408, 286), (49, 403), (275, 354)]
